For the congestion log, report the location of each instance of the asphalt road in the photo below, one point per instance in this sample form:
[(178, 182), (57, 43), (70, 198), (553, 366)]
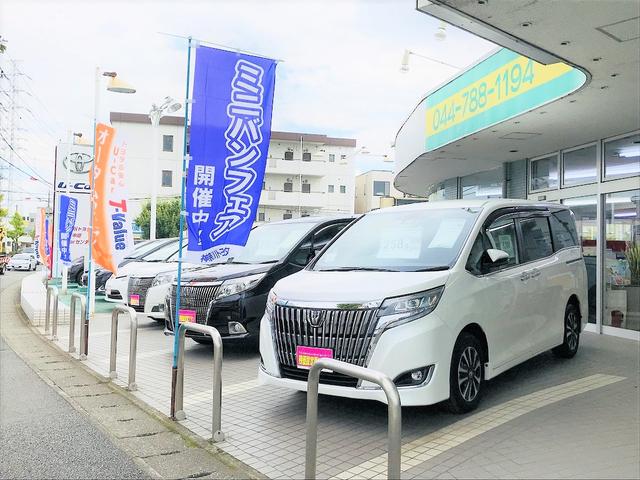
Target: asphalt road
[(43, 436)]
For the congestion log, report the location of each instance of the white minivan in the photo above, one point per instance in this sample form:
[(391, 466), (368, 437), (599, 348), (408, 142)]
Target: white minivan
[(438, 296)]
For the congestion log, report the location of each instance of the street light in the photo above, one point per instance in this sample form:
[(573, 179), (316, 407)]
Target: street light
[(117, 86), (155, 114), (404, 66)]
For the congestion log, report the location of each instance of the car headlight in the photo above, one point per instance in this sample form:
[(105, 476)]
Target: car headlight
[(237, 285), (400, 310), (163, 278), (271, 303)]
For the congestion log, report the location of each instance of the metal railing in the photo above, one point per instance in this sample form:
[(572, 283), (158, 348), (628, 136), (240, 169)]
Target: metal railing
[(393, 401), (76, 297), (133, 343), (52, 292), (216, 420)]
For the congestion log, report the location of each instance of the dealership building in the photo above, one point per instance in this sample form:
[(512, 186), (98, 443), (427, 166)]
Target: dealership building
[(553, 114)]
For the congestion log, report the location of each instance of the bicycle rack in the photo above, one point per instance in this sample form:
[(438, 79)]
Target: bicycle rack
[(216, 418), (52, 291), (83, 324), (393, 401), (133, 343)]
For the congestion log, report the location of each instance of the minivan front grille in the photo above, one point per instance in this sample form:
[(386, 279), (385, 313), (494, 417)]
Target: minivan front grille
[(193, 297), (347, 332), (139, 286)]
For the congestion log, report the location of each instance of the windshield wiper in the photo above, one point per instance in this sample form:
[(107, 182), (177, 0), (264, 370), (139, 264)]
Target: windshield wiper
[(438, 268), (268, 261), (359, 269), (237, 263)]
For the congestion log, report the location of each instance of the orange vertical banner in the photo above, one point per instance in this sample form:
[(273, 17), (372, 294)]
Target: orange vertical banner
[(100, 242)]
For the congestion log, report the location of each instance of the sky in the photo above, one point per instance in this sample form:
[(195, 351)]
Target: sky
[(339, 73)]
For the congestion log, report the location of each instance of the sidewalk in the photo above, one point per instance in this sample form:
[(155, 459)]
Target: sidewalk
[(159, 447)]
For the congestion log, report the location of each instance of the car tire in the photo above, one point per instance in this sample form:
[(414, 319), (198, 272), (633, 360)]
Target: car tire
[(571, 335), (78, 278), (466, 375)]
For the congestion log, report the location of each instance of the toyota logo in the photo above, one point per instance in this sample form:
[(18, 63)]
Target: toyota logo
[(78, 162), (316, 318)]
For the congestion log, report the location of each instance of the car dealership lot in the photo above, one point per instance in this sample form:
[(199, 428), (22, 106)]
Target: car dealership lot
[(547, 417)]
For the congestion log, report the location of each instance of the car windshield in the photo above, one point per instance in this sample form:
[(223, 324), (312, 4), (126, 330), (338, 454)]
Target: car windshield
[(144, 248), (269, 243), (162, 254), (401, 241), (22, 256)]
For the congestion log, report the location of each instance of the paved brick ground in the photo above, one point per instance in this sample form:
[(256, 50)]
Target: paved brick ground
[(587, 427)]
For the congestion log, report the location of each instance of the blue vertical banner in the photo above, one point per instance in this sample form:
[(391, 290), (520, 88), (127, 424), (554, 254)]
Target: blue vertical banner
[(66, 223), (229, 141)]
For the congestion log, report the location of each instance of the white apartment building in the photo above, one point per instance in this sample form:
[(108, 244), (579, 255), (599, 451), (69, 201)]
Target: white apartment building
[(306, 174), (374, 189)]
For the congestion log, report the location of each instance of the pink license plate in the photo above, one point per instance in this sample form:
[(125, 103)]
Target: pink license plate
[(307, 356), (187, 316), (134, 300)]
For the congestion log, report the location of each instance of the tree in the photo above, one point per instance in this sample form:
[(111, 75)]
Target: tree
[(3, 211), (167, 219), (17, 229)]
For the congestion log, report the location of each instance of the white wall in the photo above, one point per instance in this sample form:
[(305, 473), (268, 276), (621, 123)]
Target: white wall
[(139, 137)]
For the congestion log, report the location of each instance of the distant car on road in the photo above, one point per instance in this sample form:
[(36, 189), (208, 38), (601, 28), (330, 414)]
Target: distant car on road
[(22, 261), (4, 260)]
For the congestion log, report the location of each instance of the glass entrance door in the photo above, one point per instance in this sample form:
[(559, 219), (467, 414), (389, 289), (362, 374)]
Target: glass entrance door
[(622, 260), (585, 210)]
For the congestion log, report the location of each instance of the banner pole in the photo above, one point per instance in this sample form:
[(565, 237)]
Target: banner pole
[(90, 298), (176, 319)]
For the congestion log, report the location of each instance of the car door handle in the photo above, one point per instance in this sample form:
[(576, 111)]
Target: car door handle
[(535, 273), (524, 276)]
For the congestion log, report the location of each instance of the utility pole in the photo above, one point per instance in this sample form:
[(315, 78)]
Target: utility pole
[(12, 93)]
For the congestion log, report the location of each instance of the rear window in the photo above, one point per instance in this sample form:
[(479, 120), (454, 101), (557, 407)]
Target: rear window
[(563, 229)]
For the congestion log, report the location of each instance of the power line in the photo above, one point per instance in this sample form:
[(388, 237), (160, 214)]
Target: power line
[(25, 162), (26, 173)]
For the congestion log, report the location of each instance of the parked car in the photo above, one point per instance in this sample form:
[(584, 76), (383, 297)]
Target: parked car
[(232, 296), (22, 261), (438, 296), (140, 250), (75, 270), (155, 262)]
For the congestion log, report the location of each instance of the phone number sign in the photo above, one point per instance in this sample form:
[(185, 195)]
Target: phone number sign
[(500, 87)]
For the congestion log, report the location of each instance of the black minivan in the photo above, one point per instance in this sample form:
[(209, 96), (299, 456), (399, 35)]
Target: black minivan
[(232, 296)]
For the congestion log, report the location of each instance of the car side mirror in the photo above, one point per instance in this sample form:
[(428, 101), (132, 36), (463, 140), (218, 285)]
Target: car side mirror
[(493, 259), (497, 257)]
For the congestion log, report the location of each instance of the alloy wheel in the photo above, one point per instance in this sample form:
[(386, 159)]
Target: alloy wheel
[(571, 331), (469, 374)]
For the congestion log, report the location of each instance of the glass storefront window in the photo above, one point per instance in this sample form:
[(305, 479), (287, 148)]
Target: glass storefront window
[(484, 184), (544, 173), (622, 260), (585, 212), (580, 166), (622, 157)]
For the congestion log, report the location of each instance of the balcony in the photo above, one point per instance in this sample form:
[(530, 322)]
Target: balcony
[(279, 198), (313, 168)]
